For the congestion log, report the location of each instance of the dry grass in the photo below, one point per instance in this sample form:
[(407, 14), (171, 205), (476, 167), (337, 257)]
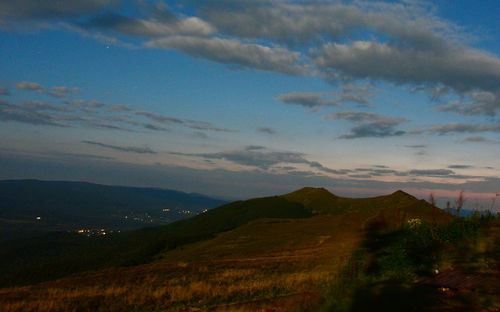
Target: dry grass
[(282, 265), (213, 286), (266, 265)]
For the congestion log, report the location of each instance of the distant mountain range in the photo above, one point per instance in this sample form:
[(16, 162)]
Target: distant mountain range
[(33, 206)]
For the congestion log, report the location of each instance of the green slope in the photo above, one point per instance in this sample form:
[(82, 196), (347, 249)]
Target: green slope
[(55, 255), (59, 254)]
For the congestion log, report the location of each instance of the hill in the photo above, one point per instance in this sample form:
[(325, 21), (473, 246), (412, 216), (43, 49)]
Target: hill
[(321, 201), (267, 253), (33, 206), (57, 254)]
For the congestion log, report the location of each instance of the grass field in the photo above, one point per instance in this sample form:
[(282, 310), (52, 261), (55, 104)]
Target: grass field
[(270, 264)]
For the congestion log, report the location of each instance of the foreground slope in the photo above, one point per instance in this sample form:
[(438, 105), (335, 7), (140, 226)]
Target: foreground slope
[(273, 252)]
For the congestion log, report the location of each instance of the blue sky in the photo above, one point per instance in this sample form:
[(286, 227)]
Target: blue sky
[(250, 98)]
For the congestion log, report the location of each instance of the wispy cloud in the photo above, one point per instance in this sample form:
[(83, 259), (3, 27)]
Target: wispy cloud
[(62, 91), (235, 52), (162, 23), (193, 124), (29, 117), (260, 157), (118, 108), (460, 166), (30, 86), (155, 127), (25, 9), (308, 99), (348, 93), (458, 128), (416, 146), (266, 130), (479, 139), (131, 149), (372, 125), (431, 172)]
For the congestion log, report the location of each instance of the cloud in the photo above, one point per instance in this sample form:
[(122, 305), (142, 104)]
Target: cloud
[(131, 149), (62, 91), (460, 68), (421, 50), (192, 124), (160, 118), (431, 172), (259, 157), (477, 139), (379, 171), (360, 176), (262, 160), (96, 104), (235, 52), (319, 166), (309, 22), (32, 106), (70, 118), (118, 108), (459, 128), (356, 94), (155, 127), (26, 9), (29, 117), (348, 93), (372, 125), (409, 44), (58, 92), (107, 40), (460, 166), (164, 23), (123, 120), (4, 91), (106, 126), (30, 86), (467, 71), (254, 147), (39, 105), (416, 146), (307, 99), (476, 103), (267, 130)]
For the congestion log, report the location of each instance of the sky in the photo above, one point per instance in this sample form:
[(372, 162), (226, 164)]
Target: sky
[(242, 98)]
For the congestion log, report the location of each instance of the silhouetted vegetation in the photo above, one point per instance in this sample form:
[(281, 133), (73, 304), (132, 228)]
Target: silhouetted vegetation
[(395, 269)]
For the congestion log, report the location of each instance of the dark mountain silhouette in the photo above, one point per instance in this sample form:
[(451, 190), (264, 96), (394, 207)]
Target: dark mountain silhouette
[(62, 205)]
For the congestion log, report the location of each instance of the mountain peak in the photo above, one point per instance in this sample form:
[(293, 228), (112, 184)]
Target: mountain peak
[(400, 193), (311, 190)]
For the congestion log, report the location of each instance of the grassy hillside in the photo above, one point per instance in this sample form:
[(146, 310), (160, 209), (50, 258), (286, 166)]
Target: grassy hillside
[(322, 262), (270, 253), (57, 254)]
